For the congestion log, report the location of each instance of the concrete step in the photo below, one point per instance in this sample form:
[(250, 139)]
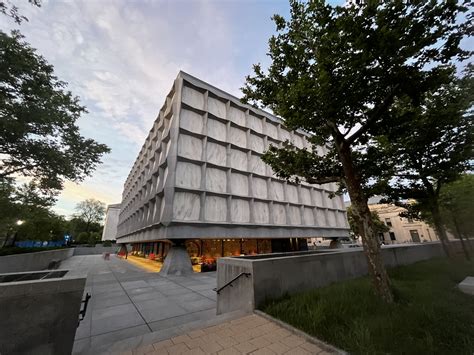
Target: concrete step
[(163, 334)]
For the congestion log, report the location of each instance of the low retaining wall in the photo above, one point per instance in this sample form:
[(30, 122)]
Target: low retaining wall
[(32, 261), (40, 316), (272, 277), (95, 250)]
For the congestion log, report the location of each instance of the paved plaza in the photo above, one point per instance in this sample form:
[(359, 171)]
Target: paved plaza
[(133, 311), (128, 301)]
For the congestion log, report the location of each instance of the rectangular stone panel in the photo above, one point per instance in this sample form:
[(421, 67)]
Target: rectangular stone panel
[(255, 123), (261, 213), (305, 196), (295, 215), (193, 98), (157, 210), (216, 209), (284, 134), (271, 130), (238, 137), (331, 218), (256, 143), (188, 175), (298, 141), (259, 187), (238, 159), (236, 115), (191, 121), (239, 184), (216, 129), (257, 166), (216, 153), (216, 180), (292, 193), (240, 210), (186, 206), (277, 191), (189, 147), (320, 217), (308, 216), (216, 107), (318, 198), (279, 213)]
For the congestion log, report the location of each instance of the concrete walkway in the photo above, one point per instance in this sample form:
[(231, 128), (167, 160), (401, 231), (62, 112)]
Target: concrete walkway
[(128, 301), (133, 311)]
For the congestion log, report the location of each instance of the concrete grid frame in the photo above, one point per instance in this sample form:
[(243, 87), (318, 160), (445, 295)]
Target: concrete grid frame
[(200, 175)]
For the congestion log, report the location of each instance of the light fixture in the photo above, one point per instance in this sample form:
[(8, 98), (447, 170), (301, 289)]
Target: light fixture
[(20, 222)]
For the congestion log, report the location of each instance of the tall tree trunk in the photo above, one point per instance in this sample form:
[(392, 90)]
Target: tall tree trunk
[(367, 231), (461, 238), (440, 229)]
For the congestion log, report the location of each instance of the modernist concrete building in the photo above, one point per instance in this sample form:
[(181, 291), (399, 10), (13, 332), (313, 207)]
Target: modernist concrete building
[(199, 177), (111, 222)]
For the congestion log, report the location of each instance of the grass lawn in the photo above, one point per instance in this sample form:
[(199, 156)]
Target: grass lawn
[(430, 315)]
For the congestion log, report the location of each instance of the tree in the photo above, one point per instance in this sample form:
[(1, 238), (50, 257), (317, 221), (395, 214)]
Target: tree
[(438, 149), (457, 208), (39, 137), (335, 72), (90, 211), (379, 226), (8, 9)]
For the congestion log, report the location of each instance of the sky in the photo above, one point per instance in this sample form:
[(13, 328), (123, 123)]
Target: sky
[(122, 56)]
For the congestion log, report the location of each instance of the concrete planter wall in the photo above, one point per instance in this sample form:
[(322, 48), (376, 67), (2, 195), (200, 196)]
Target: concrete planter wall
[(40, 316), (32, 261), (97, 250), (272, 277)]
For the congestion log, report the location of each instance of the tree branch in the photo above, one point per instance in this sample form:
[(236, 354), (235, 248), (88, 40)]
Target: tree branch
[(374, 116)]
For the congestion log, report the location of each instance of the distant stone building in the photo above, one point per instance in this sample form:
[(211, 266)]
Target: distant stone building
[(199, 177), (402, 230), (111, 222)]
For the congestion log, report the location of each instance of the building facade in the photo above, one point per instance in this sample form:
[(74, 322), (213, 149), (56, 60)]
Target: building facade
[(111, 222), (199, 177), (402, 230)]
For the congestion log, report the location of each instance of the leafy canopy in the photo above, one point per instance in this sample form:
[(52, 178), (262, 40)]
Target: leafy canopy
[(39, 137), (336, 72)]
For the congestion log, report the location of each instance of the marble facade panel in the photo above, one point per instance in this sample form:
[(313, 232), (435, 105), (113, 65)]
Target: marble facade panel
[(189, 147), (216, 180), (239, 184), (308, 216), (186, 206), (191, 121), (238, 160), (216, 153), (193, 98), (255, 123), (216, 209), (292, 193), (238, 137), (261, 212), (216, 107), (240, 210), (236, 115), (256, 143), (277, 191), (259, 187), (216, 129), (188, 175), (271, 130), (295, 215), (257, 166), (305, 196), (279, 213)]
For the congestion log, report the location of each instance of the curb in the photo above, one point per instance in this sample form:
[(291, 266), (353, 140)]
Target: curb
[(327, 347)]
